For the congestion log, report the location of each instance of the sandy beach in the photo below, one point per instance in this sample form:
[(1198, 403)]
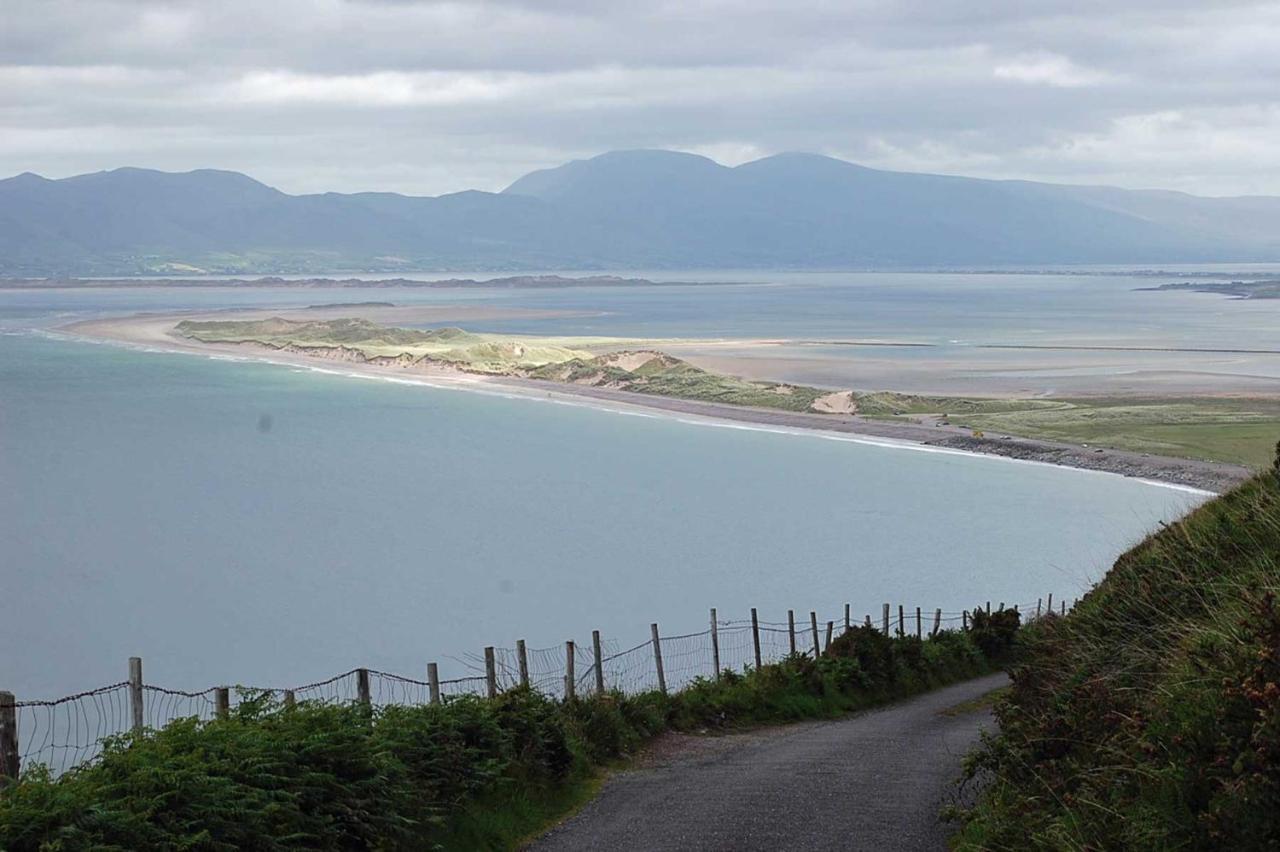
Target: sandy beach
[(154, 331)]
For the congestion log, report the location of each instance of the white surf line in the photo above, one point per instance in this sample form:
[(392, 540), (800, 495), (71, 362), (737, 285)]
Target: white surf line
[(552, 395)]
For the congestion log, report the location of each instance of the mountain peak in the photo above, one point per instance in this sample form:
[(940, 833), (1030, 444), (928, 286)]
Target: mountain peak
[(616, 171), (196, 177), (27, 179)]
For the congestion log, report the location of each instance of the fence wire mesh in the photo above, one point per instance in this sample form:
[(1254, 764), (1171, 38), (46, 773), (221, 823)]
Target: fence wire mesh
[(68, 732)]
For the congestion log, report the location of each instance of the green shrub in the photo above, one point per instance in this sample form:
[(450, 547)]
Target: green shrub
[(468, 773), (1149, 717), (994, 633), (871, 649)]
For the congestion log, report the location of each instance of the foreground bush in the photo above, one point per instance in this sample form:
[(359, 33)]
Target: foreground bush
[(1149, 718), (469, 773)]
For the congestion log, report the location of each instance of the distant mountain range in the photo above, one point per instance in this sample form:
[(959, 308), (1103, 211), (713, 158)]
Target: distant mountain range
[(625, 209)]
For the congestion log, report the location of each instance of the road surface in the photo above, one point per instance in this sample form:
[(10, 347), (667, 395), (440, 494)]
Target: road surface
[(874, 780)]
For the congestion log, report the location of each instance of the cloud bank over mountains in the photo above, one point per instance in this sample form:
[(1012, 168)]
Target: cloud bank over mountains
[(427, 98)]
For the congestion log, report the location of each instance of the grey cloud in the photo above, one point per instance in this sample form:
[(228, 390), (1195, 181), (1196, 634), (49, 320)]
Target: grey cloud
[(313, 95)]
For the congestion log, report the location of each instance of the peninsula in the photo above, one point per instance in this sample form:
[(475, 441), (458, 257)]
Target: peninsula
[(623, 373), (1268, 289), (563, 360)]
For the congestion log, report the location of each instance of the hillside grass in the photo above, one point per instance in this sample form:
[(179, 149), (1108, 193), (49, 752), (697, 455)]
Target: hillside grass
[(1149, 717), (470, 773)]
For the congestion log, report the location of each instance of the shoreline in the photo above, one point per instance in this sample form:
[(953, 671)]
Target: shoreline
[(152, 332)]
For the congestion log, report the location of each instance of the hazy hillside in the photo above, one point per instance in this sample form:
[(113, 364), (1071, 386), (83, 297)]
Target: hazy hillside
[(622, 209)]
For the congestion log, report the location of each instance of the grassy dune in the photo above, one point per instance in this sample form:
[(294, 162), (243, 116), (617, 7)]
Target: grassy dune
[(565, 360), (481, 352), (1149, 717)]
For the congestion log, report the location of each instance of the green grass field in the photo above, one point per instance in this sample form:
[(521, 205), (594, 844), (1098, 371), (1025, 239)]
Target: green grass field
[(1237, 430)]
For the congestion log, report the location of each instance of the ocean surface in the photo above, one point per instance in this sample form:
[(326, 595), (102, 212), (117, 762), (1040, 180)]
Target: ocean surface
[(238, 522)]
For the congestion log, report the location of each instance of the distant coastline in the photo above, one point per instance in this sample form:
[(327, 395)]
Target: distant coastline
[(1264, 285), (1261, 289), (511, 282), (156, 332)]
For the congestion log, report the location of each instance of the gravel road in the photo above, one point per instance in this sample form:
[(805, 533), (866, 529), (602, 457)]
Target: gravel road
[(875, 780)]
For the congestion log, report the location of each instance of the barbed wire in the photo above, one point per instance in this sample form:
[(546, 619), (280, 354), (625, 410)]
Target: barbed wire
[(68, 732)]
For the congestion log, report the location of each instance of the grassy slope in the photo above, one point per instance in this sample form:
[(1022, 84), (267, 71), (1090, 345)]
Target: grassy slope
[(1149, 718)]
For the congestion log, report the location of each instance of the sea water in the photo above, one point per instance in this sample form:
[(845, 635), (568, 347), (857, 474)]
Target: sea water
[(239, 522)]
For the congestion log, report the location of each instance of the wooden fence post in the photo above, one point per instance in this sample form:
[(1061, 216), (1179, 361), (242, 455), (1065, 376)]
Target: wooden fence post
[(791, 629), (902, 622), (135, 693), (570, 679), (490, 672), (919, 625), (848, 623), (222, 702), (362, 687), (1051, 602), (830, 626), (964, 620), (755, 636), (522, 660), (886, 619), (813, 625), (290, 700), (1064, 607), (715, 643), (1039, 601), (433, 682), (988, 607), (657, 658), (599, 655), (10, 759), (937, 622)]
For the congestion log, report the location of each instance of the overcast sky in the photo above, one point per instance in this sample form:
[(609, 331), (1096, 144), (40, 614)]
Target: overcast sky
[(425, 98)]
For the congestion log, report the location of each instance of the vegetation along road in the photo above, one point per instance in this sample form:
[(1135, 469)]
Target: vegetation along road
[(874, 780)]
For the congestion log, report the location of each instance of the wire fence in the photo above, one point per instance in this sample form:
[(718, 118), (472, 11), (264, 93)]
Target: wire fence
[(66, 733)]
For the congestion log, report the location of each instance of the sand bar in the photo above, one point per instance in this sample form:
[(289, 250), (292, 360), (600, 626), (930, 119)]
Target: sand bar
[(154, 331)]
